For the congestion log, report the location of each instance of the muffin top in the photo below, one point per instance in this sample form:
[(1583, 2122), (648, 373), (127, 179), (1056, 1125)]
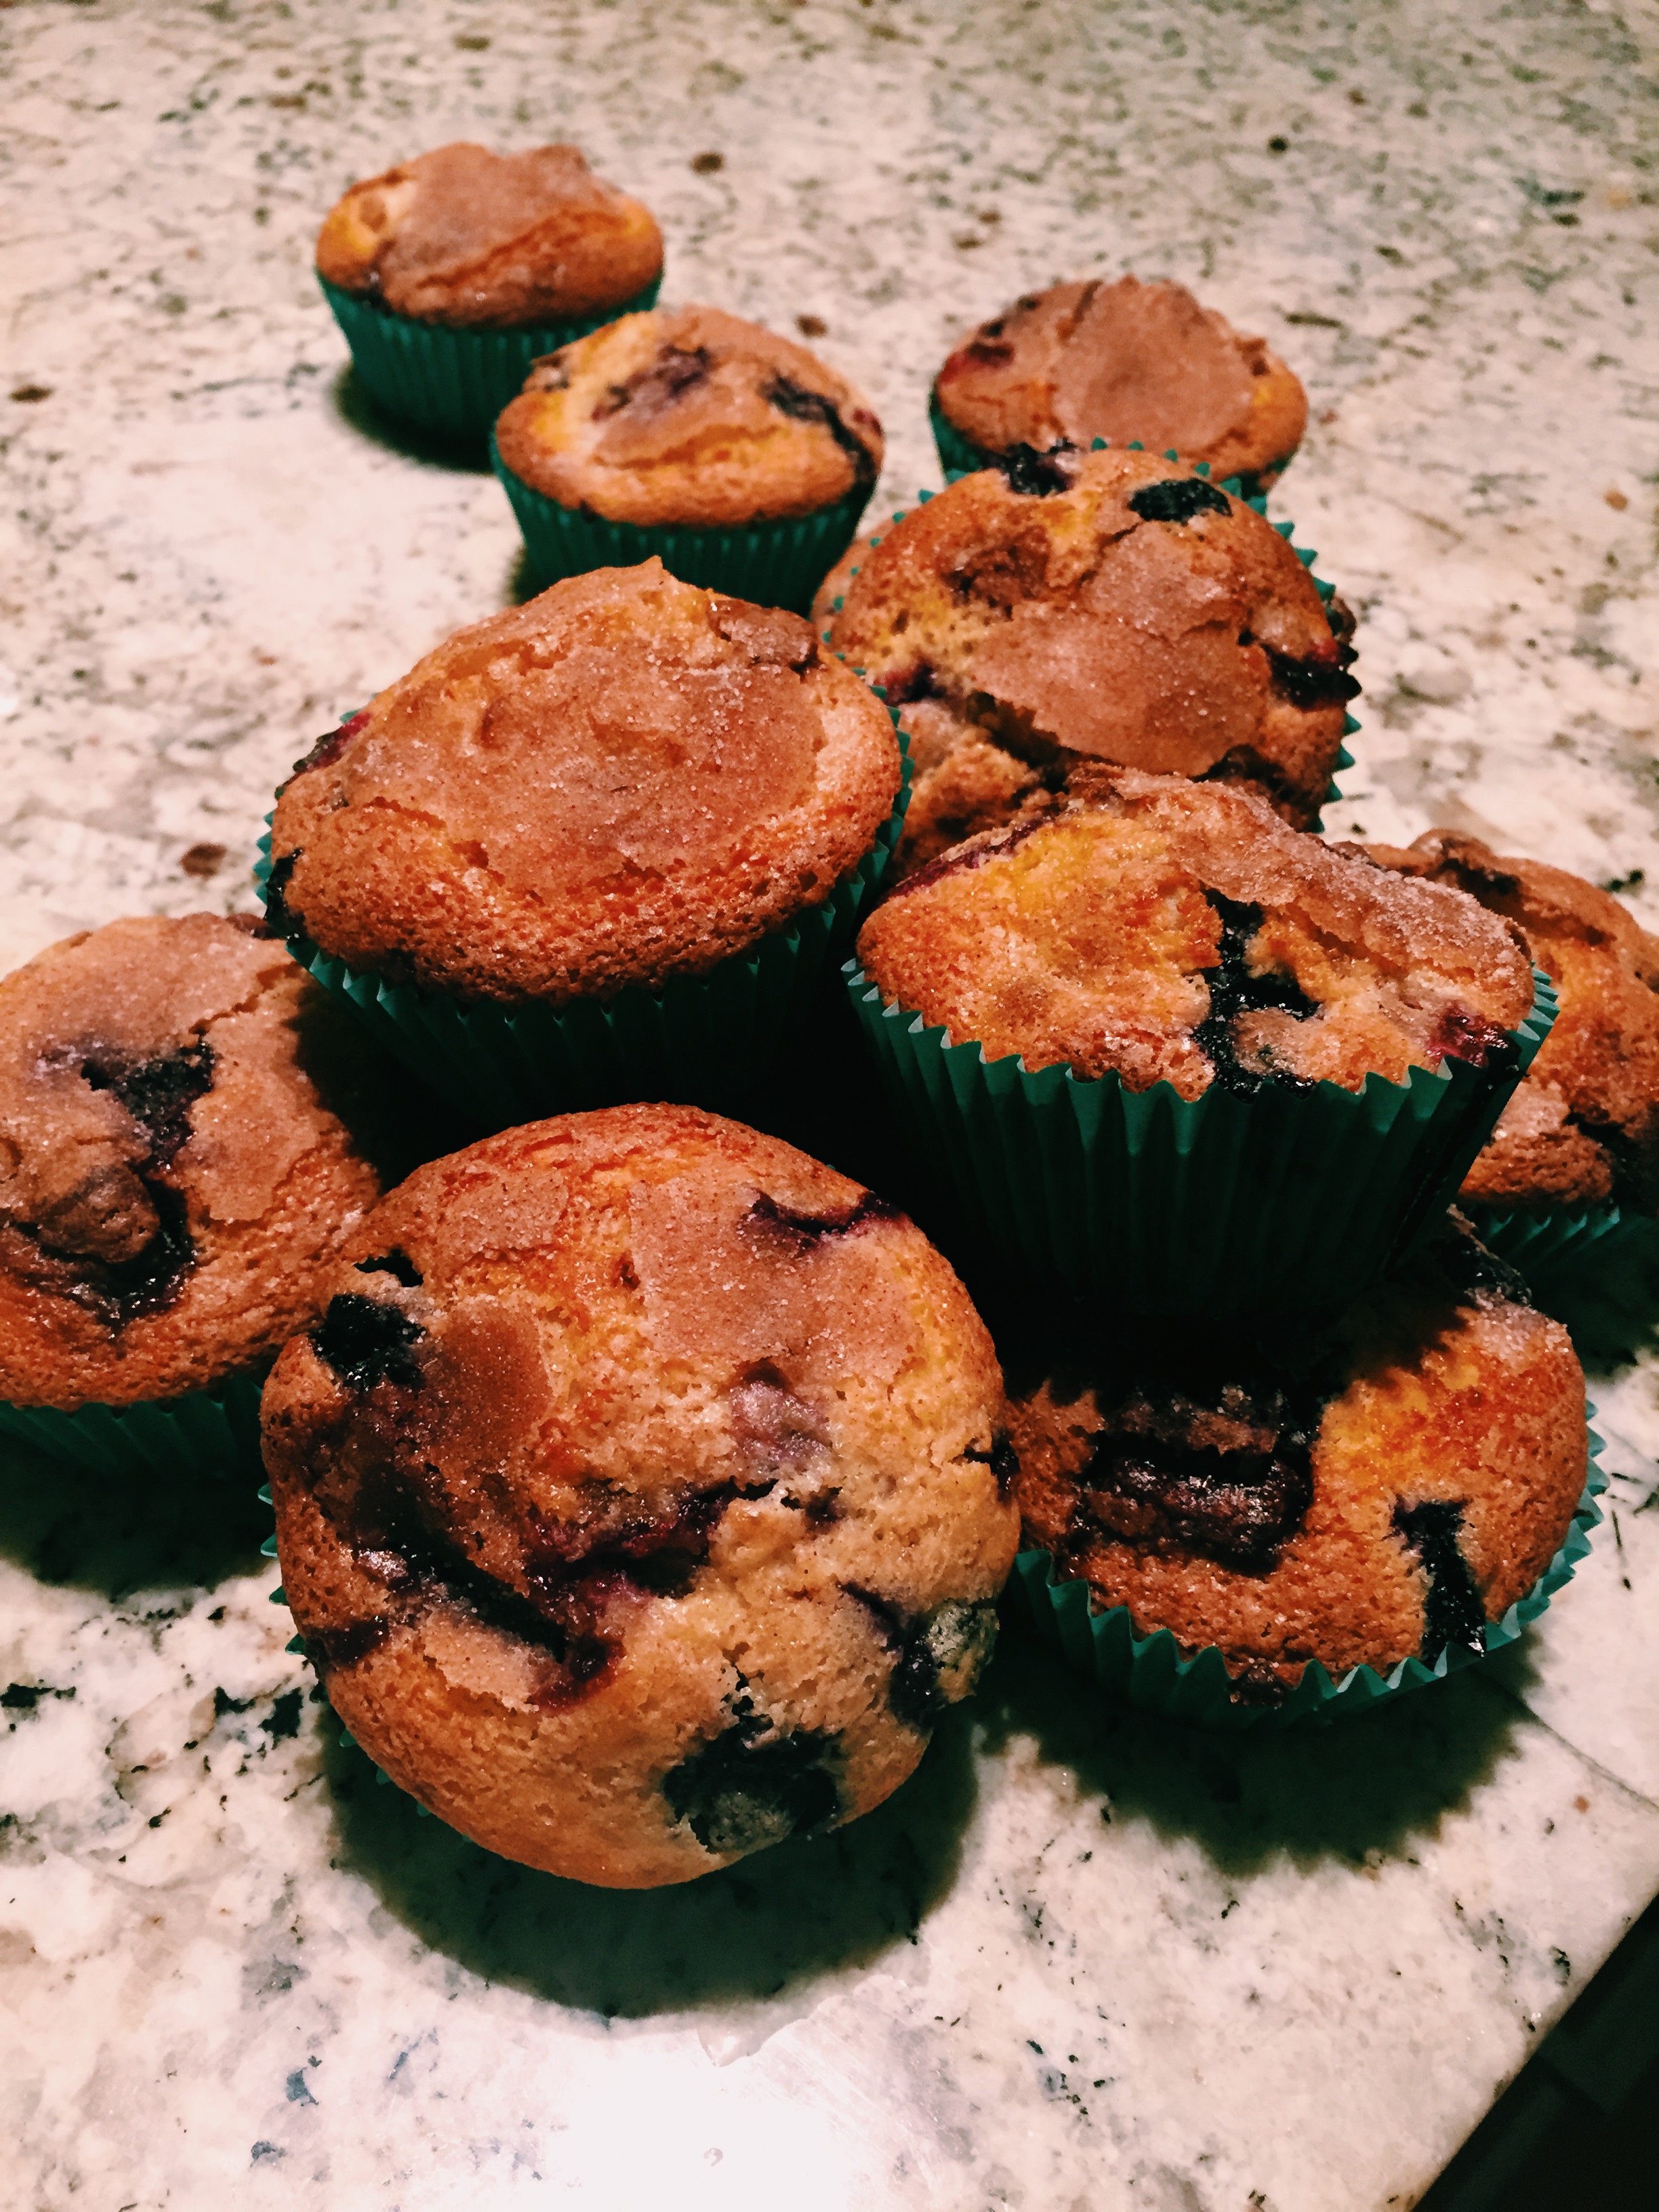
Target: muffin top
[(489, 241), (693, 417), (1176, 932), (625, 780), (1125, 361), (173, 1170), (641, 1495), (1584, 1127), (1379, 1488), (1108, 605)]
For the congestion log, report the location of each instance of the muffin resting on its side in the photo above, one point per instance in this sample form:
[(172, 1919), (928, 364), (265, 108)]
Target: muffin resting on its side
[(1376, 1489), (1121, 362), (477, 240), (1108, 606), (641, 1495), (1168, 930), (174, 1173), (1584, 1127), (626, 780), (690, 417)]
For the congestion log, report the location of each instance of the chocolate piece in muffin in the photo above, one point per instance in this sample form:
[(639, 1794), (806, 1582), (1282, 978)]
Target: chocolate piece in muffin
[(625, 781), (641, 1495), (1122, 362), (1114, 607), (690, 417), (1167, 931), (173, 1171), (1584, 1127), (1377, 1489), (477, 240)]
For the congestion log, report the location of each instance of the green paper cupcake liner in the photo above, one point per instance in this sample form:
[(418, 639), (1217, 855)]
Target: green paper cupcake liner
[(959, 456), (1153, 1203), (701, 1041), (1148, 1672), (776, 564), (454, 382), (214, 1431), (1538, 1243)]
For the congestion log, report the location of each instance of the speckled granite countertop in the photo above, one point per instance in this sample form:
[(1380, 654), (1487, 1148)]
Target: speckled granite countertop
[(1080, 1959)]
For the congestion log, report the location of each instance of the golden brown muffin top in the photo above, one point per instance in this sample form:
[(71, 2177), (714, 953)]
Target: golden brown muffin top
[(1168, 931), (476, 239), (173, 1169), (1584, 1127), (1121, 362), (689, 417), (627, 779)]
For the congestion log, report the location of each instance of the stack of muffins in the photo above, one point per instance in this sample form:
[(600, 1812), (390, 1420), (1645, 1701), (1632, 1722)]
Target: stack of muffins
[(645, 1488)]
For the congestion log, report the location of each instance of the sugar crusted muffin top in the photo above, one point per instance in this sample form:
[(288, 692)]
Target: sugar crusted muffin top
[(1110, 605), (1121, 362), (471, 239), (173, 1170), (689, 417), (1582, 1129), (1168, 930), (1379, 1489), (625, 780), (640, 1494)]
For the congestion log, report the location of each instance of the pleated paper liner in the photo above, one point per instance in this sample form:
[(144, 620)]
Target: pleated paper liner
[(1541, 1243), (454, 382), (960, 457), (216, 1432), (1148, 1672), (701, 1041), (1150, 1202)]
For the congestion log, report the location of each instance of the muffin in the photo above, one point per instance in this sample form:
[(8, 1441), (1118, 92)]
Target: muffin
[(449, 274), (1118, 362), (1583, 1130), (641, 1495), (1176, 1049), (1104, 606), (629, 802), (1383, 1486), (738, 456), (175, 1171)]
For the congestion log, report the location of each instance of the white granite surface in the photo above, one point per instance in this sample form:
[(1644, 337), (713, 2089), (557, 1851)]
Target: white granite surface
[(1081, 1961)]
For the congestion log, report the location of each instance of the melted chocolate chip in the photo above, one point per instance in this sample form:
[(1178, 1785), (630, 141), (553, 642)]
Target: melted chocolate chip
[(1234, 990), (800, 1232), (395, 1263), (1178, 499), (937, 1656), (280, 917), (654, 388), (366, 1342), (1034, 475), (1452, 1611), (802, 405), (753, 1785)]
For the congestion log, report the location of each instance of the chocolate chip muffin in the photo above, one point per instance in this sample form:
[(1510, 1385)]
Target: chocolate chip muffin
[(1583, 1130), (641, 1495), (471, 239), (624, 782), (1164, 931), (1120, 362), (174, 1172), (1106, 605), (1382, 1486)]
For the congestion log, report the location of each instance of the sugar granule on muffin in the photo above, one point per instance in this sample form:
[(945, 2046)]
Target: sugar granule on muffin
[(1121, 362), (641, 1494), (173, 1172), (625, 781)]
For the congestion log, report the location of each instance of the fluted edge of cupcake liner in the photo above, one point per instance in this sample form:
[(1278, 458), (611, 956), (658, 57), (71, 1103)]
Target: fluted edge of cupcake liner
[(1149, 1673), (1539, 1243), (776, 564), (1146, 1202), (453, 381), (215, 1430)]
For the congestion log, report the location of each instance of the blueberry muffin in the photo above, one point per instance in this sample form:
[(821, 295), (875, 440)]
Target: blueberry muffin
[(1165, 931), (624, 782), (1120, 362), (175, 1170), (1105, 605), (1381, 1486), (641, 1495), (1583, 1130)]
